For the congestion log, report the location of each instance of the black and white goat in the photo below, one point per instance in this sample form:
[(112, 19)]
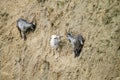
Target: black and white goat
[(24, 26), (77, 43)]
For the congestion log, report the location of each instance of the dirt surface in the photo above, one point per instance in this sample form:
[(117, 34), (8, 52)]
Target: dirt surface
[(97, 20)]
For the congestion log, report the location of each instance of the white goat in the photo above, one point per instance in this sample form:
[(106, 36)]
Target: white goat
[(55, 43)]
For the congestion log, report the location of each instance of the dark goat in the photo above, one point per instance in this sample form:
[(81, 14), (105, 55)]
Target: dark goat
[(77, 43)]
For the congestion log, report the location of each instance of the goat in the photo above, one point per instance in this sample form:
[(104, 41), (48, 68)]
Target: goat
[(24, 26), (54, 42), (77, 43)]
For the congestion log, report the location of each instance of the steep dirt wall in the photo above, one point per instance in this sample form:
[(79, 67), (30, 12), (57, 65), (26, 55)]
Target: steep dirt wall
[(97, 20)]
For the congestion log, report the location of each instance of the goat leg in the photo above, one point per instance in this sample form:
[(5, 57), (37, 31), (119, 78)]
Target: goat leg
[(24, 36), (20, 32)]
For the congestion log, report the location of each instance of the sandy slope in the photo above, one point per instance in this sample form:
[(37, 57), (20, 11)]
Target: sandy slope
[(97, 20)]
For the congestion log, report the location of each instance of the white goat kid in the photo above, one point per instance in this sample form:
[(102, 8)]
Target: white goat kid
[(55, 42)]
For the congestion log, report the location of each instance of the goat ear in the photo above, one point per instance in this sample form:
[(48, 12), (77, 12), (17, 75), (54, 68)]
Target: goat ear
[(34, 20)]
